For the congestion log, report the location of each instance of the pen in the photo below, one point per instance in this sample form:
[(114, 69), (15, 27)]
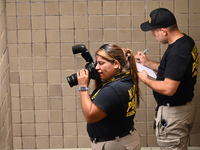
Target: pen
[(144, 52)]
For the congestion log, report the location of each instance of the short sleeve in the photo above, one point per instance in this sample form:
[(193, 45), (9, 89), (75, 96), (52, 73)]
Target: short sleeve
[(107, 99)]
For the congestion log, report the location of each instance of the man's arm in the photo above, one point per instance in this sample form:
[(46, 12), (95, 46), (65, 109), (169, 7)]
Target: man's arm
[(143, 60), (167, 87), (152, 65)]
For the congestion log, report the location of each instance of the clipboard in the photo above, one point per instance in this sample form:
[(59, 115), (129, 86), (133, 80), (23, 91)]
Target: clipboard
[(149, 71)]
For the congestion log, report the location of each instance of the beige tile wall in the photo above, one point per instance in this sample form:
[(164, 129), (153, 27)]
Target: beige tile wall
[(6, 134), (46, 111)]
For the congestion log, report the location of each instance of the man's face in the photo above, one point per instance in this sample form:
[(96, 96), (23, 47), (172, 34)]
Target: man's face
[(160, 35)]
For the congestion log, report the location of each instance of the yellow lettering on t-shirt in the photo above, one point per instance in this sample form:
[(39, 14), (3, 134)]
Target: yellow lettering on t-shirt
[(132, 104), (195, 65)]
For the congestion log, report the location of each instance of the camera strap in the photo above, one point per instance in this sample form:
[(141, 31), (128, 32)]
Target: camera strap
[(115, 78)]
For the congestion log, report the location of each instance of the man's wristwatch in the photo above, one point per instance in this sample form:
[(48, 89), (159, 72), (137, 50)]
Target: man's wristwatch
[(83, 88)]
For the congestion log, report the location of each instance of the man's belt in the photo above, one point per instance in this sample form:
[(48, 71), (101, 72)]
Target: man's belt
[(95, 140), (171, 104)]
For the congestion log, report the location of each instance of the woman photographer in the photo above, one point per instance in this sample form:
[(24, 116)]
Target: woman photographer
[(110, 109)]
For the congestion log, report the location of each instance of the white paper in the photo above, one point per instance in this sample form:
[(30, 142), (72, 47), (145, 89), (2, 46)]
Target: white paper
[(149, 71)]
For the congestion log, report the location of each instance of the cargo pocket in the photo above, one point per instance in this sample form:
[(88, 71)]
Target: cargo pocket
[(161, 128), (168, 142), (161, 123)]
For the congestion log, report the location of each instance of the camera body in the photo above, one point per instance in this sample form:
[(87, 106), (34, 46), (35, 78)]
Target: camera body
[(90, 66)]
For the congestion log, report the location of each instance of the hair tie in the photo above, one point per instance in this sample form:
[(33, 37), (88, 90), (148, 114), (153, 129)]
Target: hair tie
[(127, 56), (126, 53)]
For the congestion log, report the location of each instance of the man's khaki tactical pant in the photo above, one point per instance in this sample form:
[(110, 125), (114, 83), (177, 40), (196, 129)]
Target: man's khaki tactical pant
[(173, 125)]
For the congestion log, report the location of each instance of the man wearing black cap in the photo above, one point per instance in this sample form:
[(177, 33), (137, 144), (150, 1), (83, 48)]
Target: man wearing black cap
[(176, 77)]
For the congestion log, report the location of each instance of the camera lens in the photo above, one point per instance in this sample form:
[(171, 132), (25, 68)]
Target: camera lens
[(72, 80)]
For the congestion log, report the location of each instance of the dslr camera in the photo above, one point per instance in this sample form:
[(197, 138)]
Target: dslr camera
[(90, 66)]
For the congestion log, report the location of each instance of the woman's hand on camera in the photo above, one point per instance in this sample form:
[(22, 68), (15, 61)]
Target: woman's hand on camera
[(83, 77)]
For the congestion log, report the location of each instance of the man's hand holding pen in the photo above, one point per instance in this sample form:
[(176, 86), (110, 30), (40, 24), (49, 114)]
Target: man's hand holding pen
[(144, 52), (141, 57)]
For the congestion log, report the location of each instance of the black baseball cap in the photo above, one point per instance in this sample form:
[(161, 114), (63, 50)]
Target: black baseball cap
[(159, 18)]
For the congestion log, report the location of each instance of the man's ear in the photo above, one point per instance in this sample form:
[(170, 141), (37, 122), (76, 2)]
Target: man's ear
[(164, 30)]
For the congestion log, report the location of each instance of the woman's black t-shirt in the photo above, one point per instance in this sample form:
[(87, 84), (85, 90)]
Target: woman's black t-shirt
[(118, 102)]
